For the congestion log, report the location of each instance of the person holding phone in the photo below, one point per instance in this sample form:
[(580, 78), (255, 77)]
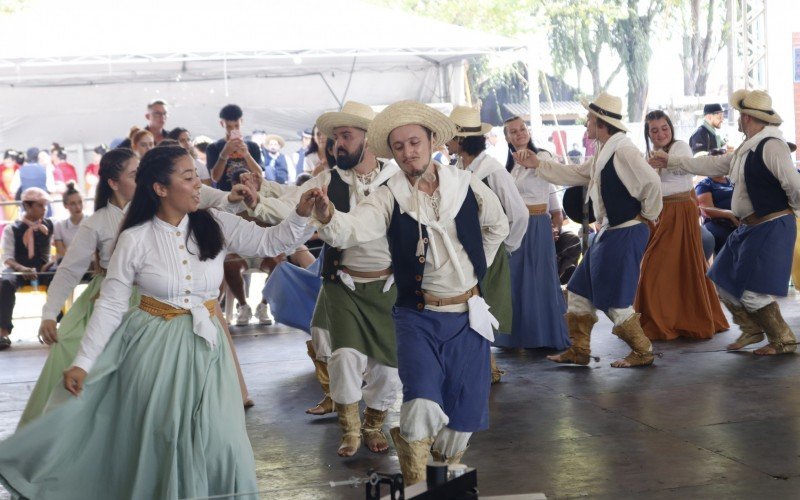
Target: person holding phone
[(232, 152)]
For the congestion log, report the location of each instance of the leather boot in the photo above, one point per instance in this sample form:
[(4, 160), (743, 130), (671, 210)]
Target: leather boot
[(321, 369), (350, 423), (752, 333), (372, 430), (438, 456), (497, 373), (413, 457), (641, 349), (780, 336), (579, 327)]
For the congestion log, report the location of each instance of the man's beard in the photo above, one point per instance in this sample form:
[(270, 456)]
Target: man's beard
[(348, 160)]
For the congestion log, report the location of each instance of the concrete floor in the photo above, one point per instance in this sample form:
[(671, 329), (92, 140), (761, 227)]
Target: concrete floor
[(702, 423)]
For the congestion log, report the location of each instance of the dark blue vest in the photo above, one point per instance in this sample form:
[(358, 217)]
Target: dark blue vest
[(620, 205), (41, 242), (339, 195), (765, 191), (409, 268)]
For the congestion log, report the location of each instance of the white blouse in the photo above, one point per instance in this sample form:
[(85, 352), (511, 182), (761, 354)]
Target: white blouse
[(157, 257), (64, 231), (677, 181), (533, 188)]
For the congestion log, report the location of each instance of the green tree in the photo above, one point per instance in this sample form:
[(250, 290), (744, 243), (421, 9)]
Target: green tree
[(705, 34)]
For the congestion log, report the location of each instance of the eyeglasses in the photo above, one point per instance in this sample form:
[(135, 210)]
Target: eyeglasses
[(158, 113)]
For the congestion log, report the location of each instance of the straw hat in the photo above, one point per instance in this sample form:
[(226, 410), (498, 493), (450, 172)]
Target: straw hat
[(608, 108), (408, 113), (468, 122), (353, 114), (755, 103), (275, 137)]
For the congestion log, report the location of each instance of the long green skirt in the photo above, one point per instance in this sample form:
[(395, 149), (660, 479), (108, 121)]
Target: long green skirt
[(496, 288), (160, 416), (62, 353)]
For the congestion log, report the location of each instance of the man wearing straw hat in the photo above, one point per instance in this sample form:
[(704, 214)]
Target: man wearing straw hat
[(754, 265), (443, 226), (625, 193), (353, 331), (469, 144)]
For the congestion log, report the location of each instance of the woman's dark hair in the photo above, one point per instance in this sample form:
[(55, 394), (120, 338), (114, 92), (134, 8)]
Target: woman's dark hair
[(653, 116), (511, 148), (157, 166), (169, 143), (329, 155), (611, 129), (176, 133), (313, 147), (69, 192), (111, 165), (473, 145)]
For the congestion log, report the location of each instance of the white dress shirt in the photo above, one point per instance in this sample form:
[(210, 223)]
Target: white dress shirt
[(638, 177), (677, 181), (64, 231), (157, 257), (777, 159), (502, 183)]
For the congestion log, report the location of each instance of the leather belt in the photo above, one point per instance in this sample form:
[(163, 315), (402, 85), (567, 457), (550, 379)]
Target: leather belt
[(754, 219), (155, 307), (678, 197), (539, 209), (433, 300), (368, 274)]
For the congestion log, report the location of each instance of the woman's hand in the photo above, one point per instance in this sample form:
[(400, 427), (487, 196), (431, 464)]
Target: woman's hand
[(48, 332), (658, 159), (251, 180), (73, 380), (308, 202), (526, 158)]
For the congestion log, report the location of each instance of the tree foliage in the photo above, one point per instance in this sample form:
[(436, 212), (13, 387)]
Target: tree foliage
[(705, 33)]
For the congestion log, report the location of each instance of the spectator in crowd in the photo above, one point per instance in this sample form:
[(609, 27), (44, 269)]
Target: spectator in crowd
[(65, 170), (706, 138), (59, 186), (65, 229), (91, 175), (141, 141), (200, 144), (231, 152), (26, 250), (589, 146), (184, 138), (156, 120), (299, 158), (7, 170), (315, 153), (575, 156), (32, 174), (275, 162)]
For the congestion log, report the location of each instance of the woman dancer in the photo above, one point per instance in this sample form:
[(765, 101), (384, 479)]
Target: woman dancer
[(159, 416), (537, 300), (675, 298)]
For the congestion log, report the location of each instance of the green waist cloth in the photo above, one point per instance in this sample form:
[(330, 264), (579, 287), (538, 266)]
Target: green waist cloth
[(319, 320), (496, 290), (361, 319)]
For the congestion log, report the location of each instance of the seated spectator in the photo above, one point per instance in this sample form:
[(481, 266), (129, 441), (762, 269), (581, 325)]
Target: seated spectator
[(184, 139), (141, 141), (91, 176), (714, 195), (65, 229), (276, 167), (26, 250), (65, 170)]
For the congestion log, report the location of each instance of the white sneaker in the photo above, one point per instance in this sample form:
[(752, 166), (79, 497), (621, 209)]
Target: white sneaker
[(262, 314), (243, 314)]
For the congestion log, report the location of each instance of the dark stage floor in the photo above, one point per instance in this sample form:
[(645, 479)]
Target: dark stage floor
[(702, 423)]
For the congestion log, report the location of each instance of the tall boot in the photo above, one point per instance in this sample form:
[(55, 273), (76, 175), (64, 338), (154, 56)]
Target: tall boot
[(321, 369), (413, 456), (780, 336), (372, 430), (752, 332), (580, 329), (641, 349), (497, 373), (350, 423)]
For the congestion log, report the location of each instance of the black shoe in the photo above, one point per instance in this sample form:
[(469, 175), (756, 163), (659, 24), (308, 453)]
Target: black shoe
[(5, 343)]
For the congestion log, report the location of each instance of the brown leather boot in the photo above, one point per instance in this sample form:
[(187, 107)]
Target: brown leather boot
[(350, 423), (321, 369), (752, 333), (438, 456), (580, 329), (497, 373), (641, 349), (372, 430), (780, 336), (413, 456)]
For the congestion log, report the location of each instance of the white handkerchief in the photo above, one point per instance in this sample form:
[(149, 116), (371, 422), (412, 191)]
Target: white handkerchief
[(347, 280), (389, 283), (203, 326), (480, 319)]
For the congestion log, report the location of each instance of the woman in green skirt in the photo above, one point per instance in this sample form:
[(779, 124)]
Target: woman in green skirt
[(159, 414)]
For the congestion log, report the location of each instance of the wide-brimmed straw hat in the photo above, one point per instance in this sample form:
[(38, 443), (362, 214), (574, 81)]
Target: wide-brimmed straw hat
[(468, 122), (755, 103), (275, 137), (408, 113), (607, 108), (353, 114)]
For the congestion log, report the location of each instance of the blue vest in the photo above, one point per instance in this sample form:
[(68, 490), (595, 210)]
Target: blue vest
[(339, 195), (765, 191), (41, 242), (32, 175), (620, 205), (409, 268)]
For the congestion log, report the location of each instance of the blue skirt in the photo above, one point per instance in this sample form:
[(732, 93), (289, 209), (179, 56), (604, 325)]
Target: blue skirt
[(609, 272), (536, 296), (291, 293), (440, 358), (757, 258)]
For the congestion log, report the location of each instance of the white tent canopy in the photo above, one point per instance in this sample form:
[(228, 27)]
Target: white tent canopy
[(283, 61)]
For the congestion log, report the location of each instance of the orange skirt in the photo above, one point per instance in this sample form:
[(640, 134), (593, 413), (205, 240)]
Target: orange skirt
[(675, 297)]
